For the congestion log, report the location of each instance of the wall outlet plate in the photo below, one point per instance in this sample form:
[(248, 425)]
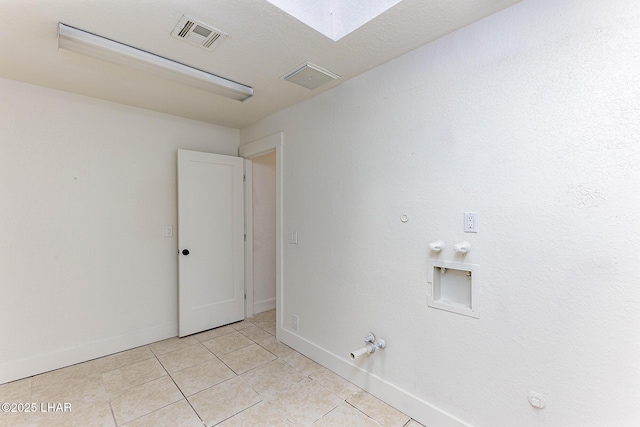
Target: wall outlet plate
[(471, 222)]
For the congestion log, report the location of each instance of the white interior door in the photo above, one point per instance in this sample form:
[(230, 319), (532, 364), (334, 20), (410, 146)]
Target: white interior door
[(210, 241)]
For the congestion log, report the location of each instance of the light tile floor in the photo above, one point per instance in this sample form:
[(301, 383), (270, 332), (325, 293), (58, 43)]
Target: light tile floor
[(232, 376)]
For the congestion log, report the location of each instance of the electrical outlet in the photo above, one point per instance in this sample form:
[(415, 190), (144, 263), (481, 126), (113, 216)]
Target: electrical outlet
[(295, 322), (471, 222), (293, 237), (168, 231)]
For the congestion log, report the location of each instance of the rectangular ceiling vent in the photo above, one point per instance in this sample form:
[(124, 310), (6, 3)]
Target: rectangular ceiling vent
[(197, 33), (310, 76)]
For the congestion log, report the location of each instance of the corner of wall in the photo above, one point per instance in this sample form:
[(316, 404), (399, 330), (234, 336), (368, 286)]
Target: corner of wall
[(416, 408)]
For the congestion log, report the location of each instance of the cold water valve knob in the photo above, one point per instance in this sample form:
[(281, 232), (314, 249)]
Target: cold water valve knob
[(462, 247)]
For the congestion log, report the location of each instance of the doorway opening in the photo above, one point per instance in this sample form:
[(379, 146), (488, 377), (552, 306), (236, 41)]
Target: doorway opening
[(264, 231), (268, 153)]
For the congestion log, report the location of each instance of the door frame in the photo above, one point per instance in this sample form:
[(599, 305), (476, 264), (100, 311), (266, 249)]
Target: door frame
[(259, 147)]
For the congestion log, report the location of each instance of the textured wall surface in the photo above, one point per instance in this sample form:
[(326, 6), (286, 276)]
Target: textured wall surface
[(87, 187), (530, 117)]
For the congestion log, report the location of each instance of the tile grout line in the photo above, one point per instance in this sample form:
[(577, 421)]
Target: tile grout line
[(186, 399), (222, 361), (237, 413), (306, 376), (262, 335), (369, 416), (113, 416), (262, 397), (242, 379), (158, 409)]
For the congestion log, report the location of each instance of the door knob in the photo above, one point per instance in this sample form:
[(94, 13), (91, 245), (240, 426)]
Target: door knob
[(185, 252)]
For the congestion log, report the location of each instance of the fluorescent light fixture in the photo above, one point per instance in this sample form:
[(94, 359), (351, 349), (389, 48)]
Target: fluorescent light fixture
[(79, 41)]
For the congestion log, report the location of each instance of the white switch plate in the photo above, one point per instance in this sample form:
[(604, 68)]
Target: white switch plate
[(293, 237), (168, 231), (295, 322), (471, 222)]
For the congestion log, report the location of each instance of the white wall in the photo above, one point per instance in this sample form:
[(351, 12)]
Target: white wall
[(86, 188), (530, 117), (264, 232)]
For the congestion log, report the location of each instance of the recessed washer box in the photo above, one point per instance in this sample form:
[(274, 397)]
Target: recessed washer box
[(453, 287)]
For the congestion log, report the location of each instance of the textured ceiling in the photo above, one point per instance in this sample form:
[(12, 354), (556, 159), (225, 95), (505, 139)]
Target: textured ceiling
[(264, 43)]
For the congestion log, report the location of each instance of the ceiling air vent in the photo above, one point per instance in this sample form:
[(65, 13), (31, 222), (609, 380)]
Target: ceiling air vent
[(198, 33), (310, 76)]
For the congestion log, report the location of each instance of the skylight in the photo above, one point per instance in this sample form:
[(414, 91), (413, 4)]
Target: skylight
[(335, 18)]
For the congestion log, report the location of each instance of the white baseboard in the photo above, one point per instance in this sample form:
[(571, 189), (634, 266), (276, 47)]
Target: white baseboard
[(266, 305), (416, 408), (23, 368)]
